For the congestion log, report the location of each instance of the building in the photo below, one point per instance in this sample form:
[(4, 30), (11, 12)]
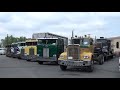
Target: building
[(115, 42), (50, 35)]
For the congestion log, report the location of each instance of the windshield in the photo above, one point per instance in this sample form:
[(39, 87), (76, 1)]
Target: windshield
[(22, 44), (76, 41), (103, 41), (85, 41), (15, 45), (31, 43), (47, 41)]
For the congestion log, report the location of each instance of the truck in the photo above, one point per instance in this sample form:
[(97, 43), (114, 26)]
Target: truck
[(30, 50), (14, 50), (21, 46), (8, 50), (80, 54), (105, 47), (49, 49)]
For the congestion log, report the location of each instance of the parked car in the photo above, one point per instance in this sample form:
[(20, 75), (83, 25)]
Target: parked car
[(2, 51)]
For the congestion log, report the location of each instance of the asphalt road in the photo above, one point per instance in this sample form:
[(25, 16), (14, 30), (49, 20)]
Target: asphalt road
[(15, 68)]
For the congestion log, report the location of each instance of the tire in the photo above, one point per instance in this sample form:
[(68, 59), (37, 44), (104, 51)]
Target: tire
[(101, 59), (40, 62), (19, 57), (90, 68), (112, 57), (28, 60), (63, 68), (105, 58), (56, 62)]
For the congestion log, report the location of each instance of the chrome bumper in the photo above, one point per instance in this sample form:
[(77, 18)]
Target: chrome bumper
[(46, 59), (32, 57), (74, 63)]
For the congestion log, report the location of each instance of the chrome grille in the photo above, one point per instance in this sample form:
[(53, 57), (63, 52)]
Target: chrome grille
[(22, 51), (31, 51), (73, 51)]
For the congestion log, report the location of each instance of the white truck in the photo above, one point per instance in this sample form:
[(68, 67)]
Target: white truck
[(21, 46)]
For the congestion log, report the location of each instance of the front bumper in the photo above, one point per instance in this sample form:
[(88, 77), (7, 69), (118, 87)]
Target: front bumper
[(50, 59), (74, 63), (32, 57)]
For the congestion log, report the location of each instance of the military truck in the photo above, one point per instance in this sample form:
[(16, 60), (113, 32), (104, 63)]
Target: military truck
[(80, 53), (30, 50), (105, 48), (49, 49)]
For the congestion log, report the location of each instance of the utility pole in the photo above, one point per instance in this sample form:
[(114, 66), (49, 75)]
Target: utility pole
[(7, 39)]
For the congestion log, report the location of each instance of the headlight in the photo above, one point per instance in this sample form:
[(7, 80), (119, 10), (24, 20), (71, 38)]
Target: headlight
[(26, 53), (54, 55), (61, 56), (86, 57)]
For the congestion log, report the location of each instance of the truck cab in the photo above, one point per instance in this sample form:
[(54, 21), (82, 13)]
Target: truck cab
[(49, 49), (105, 47), (31, 50), (78, 54), (21, 46), (14, 49)]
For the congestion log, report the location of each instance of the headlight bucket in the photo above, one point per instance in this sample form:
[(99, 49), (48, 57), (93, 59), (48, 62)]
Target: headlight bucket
[(85, 57)]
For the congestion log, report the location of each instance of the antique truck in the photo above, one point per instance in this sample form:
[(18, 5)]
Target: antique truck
[(14, 50), (49, 49), (105, 47), (21, 46), (8, 50), (30, 50), (80, 53)]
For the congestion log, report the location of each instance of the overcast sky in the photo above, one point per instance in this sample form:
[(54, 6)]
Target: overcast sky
[(98, 24)]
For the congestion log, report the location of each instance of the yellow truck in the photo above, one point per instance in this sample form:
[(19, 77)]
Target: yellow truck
[(79, 54), (31, 50)]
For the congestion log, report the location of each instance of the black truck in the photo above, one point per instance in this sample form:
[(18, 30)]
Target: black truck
[(103, 46)]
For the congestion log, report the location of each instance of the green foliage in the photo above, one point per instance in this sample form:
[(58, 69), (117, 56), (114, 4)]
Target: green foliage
[(11, 39)]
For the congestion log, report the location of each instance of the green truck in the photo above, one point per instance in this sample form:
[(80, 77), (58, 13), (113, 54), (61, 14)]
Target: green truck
[(49, 49)]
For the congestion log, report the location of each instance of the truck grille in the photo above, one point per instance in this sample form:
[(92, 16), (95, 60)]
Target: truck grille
[(31, 51), (46, 52), (73, 51), (22, 51)]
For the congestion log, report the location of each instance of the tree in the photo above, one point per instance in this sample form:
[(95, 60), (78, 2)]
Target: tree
[(10, 39)]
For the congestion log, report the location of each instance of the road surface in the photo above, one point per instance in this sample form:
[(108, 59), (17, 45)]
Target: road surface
[(15, 68)]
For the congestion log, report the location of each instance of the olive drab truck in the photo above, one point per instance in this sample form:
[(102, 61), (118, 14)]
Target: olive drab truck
[(30, 50), (80, 54), (21, 46), (49, 49)]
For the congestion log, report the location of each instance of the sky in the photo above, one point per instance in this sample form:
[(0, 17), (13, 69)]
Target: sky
[(99, 24)]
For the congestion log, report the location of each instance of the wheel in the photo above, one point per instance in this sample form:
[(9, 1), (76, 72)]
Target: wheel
[(63, 68), (101, 59), (90, 68), (56, 62), (19, 57), (40, 62), (105, 58), (28, 60), (112, 57)]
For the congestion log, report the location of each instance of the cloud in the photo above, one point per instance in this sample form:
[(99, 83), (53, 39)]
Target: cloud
[(62, 23)]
